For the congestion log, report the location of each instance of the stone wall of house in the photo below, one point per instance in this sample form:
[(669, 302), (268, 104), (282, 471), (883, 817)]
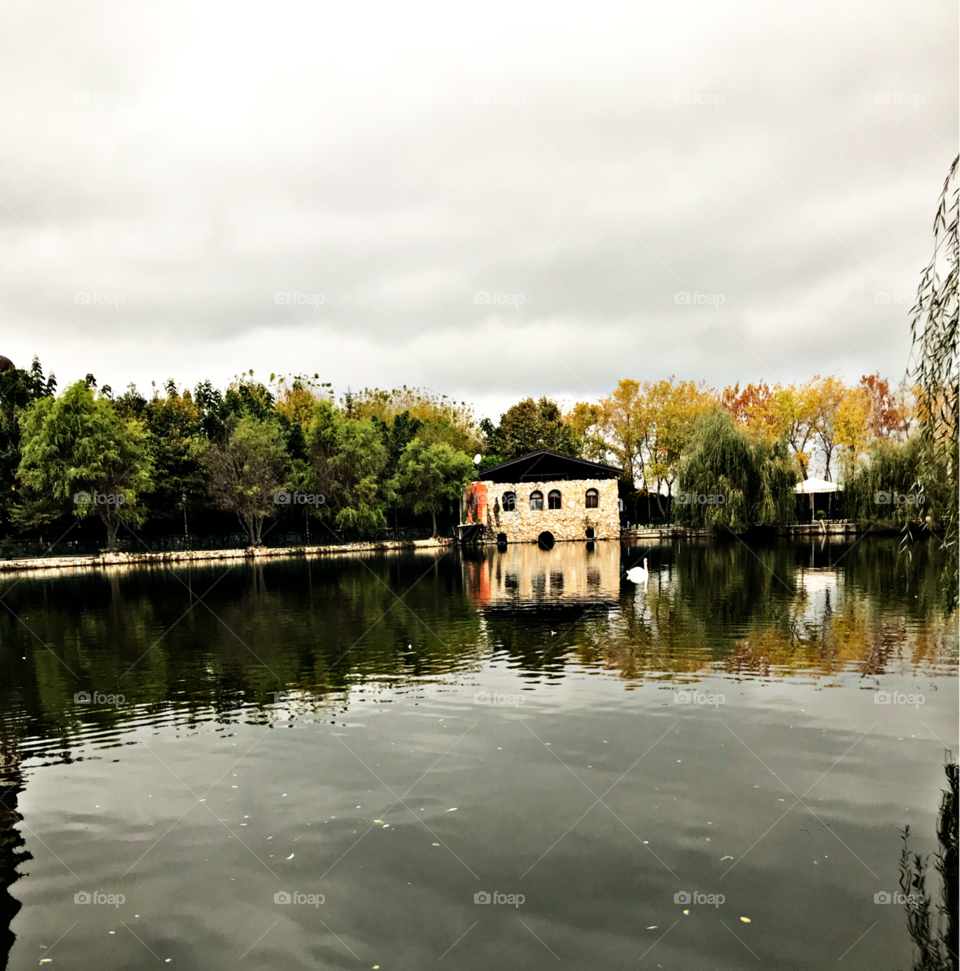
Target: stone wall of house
[(570, 522)]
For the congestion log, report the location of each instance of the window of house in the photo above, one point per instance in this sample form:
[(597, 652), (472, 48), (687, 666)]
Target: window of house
[(536, 500), (553, 499), (509, 501), (593, 499)]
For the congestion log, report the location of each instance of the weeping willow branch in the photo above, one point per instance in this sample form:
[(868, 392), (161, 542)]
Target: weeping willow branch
[(934, 362)]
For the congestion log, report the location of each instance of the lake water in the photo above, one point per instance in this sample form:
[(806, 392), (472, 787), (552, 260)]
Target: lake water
[(523, 724)]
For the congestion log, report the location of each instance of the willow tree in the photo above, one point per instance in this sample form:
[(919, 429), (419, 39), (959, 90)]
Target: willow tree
[(935, 365), (884, 487), (728, 478)]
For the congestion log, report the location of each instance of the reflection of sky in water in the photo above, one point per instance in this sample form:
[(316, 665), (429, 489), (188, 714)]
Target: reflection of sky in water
[(578, 669)]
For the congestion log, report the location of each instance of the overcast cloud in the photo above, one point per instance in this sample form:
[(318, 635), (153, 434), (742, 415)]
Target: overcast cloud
[(579, 164)]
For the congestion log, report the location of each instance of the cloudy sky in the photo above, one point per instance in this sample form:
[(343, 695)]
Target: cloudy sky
[(490, 200)]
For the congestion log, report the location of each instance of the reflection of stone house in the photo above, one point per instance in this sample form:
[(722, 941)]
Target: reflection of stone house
[(525, 576), (544, 493)]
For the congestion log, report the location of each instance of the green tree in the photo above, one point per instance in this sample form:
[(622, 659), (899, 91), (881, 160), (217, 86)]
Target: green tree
[(430, 477), (179, 446), (884, 487), (750, 479), (247, 470), (347, 458), (78, 450), (529, 426), (18, 389)]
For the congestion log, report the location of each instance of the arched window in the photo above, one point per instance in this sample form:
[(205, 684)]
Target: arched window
[(593, 499), (509, 501), (536, 500), (553, 499)]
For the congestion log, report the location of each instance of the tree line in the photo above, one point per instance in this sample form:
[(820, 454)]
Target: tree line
[(266, 451)]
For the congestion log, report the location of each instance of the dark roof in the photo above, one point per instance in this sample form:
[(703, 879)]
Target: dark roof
[(547, 466)]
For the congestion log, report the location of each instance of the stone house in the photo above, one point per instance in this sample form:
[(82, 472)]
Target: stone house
[(543, 497)]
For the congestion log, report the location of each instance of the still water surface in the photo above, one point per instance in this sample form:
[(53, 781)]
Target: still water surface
[(525, 724)]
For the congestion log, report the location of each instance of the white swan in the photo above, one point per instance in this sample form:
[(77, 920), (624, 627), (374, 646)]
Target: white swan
[(639, 574)]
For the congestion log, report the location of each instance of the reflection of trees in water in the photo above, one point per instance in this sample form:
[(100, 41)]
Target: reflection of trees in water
[(12, 853), (933, 926), (321, 627), (780, 609)]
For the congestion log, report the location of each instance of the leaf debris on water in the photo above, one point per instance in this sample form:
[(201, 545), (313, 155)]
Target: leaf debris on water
[(746, 920), (290, 857)]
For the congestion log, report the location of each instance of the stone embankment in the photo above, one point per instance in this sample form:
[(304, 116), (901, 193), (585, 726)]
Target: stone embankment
[(62, 563)]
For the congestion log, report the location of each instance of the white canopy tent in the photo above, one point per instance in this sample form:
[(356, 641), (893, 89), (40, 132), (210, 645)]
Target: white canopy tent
[(813, 487)]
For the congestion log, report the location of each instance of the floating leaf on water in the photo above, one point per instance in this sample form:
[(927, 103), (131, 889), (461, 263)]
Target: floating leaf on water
[(290, 857), (746, 920), (722, 858), (653, 927), (687, 912), (452, 810)]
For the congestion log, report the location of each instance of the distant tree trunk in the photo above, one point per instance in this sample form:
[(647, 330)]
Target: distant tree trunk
[(433, 514)]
